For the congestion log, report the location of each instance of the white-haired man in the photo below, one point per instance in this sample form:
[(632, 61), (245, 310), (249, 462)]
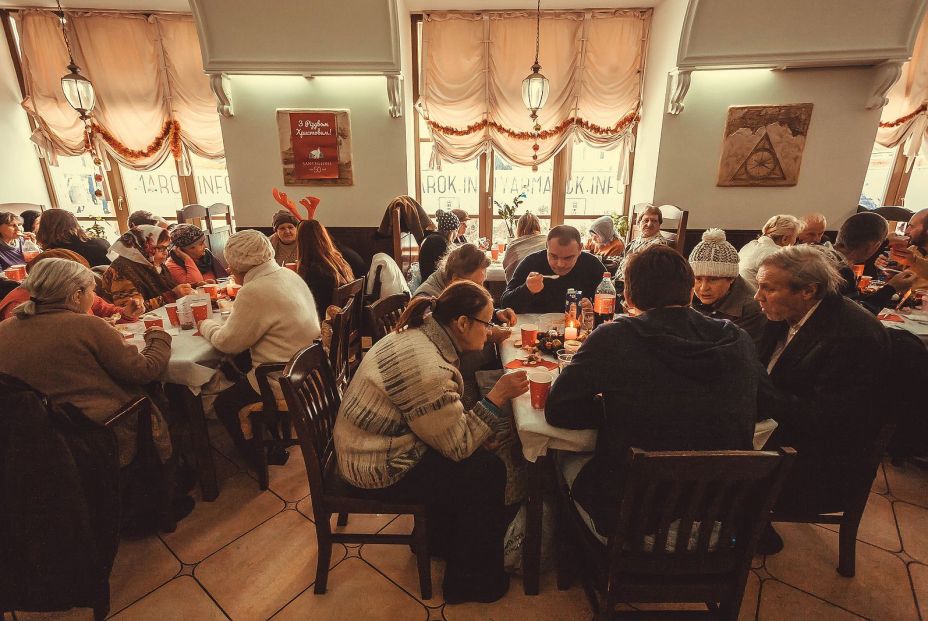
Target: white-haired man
[(812, 230)]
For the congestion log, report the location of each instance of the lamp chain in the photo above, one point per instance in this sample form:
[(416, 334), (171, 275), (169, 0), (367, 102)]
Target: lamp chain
[(64, 31), (537, 31)]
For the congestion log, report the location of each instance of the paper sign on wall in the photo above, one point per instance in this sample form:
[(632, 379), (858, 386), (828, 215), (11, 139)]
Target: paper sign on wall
[(315, 147)]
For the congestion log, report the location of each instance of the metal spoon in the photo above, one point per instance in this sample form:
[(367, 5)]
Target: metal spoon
[(551, 276)]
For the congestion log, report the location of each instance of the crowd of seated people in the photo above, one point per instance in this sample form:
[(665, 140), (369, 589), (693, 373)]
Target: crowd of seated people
[(779, 331)]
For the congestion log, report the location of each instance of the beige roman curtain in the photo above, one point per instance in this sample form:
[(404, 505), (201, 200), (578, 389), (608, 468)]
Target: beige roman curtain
[(153, 99), (471, 77)]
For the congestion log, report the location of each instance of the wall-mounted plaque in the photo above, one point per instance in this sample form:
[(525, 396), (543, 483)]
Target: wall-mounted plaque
[(315, 147)]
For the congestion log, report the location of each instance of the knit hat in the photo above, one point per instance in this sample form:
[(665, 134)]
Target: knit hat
[(714, 256), (447, 221), (183, 235), (284, 217), (248, 249), (604, 227)]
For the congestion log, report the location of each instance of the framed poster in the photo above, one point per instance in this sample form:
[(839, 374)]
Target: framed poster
[(315, 147)]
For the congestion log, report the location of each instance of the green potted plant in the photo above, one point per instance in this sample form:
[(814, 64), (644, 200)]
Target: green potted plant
[(508, 212), (621, 225)]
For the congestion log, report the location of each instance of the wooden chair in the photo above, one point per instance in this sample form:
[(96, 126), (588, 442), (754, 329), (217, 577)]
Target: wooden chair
[(405, 245), (353, 291), (342, 327), (673, 228), (688, 524), (384, 314), (313, 397), (853, 510), (273, 415), (217, 234)]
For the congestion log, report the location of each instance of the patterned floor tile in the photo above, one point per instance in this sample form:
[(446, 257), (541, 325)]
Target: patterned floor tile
[(919, 575), (289, 481), (878, 526), (780, 602), (913, 524), (181, 598), (909, 483), (141, 566), (549, 605)]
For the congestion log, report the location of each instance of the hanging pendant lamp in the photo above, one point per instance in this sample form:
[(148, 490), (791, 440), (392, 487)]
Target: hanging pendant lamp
[(78, 90), (535, 88)]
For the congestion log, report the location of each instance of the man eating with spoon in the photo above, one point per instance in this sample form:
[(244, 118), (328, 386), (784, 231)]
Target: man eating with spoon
[(541, 281)]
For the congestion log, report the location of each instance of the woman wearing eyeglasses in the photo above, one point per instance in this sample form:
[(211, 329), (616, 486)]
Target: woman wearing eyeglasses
[(139, 271), (778, 232), (403, 434)]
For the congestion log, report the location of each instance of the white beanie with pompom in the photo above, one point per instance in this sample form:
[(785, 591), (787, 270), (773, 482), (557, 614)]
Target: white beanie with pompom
[(247, 249), (714, 256)]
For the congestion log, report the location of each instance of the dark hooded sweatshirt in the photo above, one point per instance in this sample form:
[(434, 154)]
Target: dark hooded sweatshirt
[(671, 380)]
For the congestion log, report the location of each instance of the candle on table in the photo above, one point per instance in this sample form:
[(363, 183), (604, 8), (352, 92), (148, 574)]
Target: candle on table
[(570, 333)]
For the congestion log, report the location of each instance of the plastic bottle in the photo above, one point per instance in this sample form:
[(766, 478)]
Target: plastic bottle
[(604, 301)]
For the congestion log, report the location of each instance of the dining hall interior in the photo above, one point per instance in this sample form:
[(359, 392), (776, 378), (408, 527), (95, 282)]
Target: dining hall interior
[(463, 310)]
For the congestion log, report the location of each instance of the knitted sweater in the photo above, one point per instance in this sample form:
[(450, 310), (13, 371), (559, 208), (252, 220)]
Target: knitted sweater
[(125, 279), (405, 399)]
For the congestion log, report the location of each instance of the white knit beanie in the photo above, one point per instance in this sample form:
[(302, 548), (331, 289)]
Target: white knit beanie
[(714, 256), (248, 249)]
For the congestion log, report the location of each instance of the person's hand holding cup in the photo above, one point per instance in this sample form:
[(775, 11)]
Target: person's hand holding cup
[(535, 282), (508, 387), (182, 289), (539, 386)]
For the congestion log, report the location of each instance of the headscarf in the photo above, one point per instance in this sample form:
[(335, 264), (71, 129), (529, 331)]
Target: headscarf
[(248, 249), (138, 244), (447, 221), (184, 235), (604, 227)]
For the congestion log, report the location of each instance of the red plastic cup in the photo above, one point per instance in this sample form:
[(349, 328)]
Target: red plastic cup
[(212, 290), (200, 311), (232, 289), (494, 252), (153, 322), (501, 246), (539, 384), (859, 270), (29, 255), (290, 266), (529, 335), (864, 282), (172, 314)]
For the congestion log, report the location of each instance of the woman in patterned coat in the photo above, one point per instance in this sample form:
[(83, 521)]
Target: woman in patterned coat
[(139, 272)]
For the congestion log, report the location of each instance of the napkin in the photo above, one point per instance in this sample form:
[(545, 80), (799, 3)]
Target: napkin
[(890, 317), (518, 363)]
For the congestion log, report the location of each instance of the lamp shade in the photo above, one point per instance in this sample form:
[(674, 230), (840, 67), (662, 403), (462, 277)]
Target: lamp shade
[(535, 90), (78, 91)]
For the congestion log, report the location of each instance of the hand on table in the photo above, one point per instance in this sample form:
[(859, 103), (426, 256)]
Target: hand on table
[(182, 289), (508, 387), (507, 316), (535, 282)]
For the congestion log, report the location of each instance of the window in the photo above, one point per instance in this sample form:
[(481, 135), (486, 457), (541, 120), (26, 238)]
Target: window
[(75, 182), (211, 180), (578, 185), (157, 190), (878, 175), (916, 194)]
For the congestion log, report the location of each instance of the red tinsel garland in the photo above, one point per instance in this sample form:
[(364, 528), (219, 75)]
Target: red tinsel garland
[(170, 132), (560, 128), (905, 119)]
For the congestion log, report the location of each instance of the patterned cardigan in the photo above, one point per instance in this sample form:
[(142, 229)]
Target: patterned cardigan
[(404, 399), (125, 279)]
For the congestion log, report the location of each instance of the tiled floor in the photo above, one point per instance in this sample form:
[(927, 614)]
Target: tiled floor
[(252, 556)]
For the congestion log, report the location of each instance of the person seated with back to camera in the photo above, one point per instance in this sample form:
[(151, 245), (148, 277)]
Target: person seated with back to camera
[(720, 292), (190, 261), (532, 290), (529, 239), (321, 266), (436, 244), (60, 229), (671, 379)]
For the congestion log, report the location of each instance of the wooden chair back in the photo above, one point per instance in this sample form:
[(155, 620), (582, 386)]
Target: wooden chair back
[(384, 314), (218, 228), (689, 523), (352, 292), (192, 214), (313, 398), (405, 246), (342, 326), (673, 227)]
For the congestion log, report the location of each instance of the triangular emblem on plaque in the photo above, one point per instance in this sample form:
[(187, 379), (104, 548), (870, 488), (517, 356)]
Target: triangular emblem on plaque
[(761, 163)]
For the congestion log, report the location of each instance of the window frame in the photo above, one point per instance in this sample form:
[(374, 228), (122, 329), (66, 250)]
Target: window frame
[(112, 180), (487, 215)]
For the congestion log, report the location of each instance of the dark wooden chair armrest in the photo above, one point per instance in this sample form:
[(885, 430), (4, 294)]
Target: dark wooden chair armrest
[(139, 405)]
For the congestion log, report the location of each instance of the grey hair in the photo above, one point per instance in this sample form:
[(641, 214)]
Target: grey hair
[(807, 265), (52, 281), (781, 226), (813, 218)]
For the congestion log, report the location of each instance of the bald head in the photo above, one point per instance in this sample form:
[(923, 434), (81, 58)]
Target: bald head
[(813, 228), (917, 230)]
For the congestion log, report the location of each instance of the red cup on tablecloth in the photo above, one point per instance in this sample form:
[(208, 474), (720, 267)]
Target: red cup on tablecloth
[(172, 314), (290, 266), (494, 252), (212, 290), (539, 384), (864, 282), (859, 270), (200, 311), (16, 272), (529, 335), (232, 289), (153, 321)]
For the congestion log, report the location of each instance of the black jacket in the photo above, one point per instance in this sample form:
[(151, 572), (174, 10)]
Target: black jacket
[(671, 379), (585, 277), (94, 250), (59, 504)]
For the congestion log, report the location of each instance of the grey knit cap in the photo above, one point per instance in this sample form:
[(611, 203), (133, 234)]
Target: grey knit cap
[(714, 256)]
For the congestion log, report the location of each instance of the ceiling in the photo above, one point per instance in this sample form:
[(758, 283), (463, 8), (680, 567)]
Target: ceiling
[(122, 5)]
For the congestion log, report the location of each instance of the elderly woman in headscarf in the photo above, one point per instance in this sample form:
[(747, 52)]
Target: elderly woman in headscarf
[(603, 241), (190, 261), (138, 272), (99, 307), (274, 318)]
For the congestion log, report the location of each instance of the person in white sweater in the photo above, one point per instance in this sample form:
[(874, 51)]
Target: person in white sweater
[(778, 232), (273, 318)]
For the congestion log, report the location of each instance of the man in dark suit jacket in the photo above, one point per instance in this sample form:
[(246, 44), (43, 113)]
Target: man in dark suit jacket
[(825, 356)]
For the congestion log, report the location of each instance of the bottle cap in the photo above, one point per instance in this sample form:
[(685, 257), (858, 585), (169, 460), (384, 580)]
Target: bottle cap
[(607, 275)]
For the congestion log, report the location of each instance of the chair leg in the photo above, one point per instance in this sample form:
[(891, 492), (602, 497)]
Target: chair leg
[(324, 558), (847, 546), (342, 519), (420, 532), (258, 440)]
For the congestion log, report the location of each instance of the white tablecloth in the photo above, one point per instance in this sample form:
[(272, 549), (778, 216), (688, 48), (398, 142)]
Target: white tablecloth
[(496, 273), (537, 435), (915, 322)]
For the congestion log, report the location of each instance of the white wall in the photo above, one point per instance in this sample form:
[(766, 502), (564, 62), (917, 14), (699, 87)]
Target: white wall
[(21, 178), (834, 164), (253, 149)]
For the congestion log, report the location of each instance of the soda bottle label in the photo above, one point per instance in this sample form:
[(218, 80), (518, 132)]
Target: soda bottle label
[(604, 304)]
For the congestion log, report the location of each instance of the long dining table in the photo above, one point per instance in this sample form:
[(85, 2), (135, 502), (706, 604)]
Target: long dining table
[(538, 437)]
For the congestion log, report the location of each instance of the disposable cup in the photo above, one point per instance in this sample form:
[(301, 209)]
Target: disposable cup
[(172, 314), (494, 252), (200, 311), (152, 321), (864, 282), (529, 335), (290, 266), (539, 384), (232, 289), (211, 290)]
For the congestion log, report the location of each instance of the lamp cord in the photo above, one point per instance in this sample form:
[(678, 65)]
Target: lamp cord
[(64, 31), (537, 30)]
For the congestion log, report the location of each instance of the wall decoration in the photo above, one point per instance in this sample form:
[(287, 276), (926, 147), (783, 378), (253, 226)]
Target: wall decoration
[(763, 145), (315, 147)]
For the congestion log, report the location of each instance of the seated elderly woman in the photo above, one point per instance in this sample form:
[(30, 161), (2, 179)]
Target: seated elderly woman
[(720, 292), (190, 261), (139, 272), (650, 222), (603, 240), (99, 308), (778, 232), (11, 242), (529, 239), (283, 239), (274, 318), (76, 358), (403, 434), (60, 229)]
